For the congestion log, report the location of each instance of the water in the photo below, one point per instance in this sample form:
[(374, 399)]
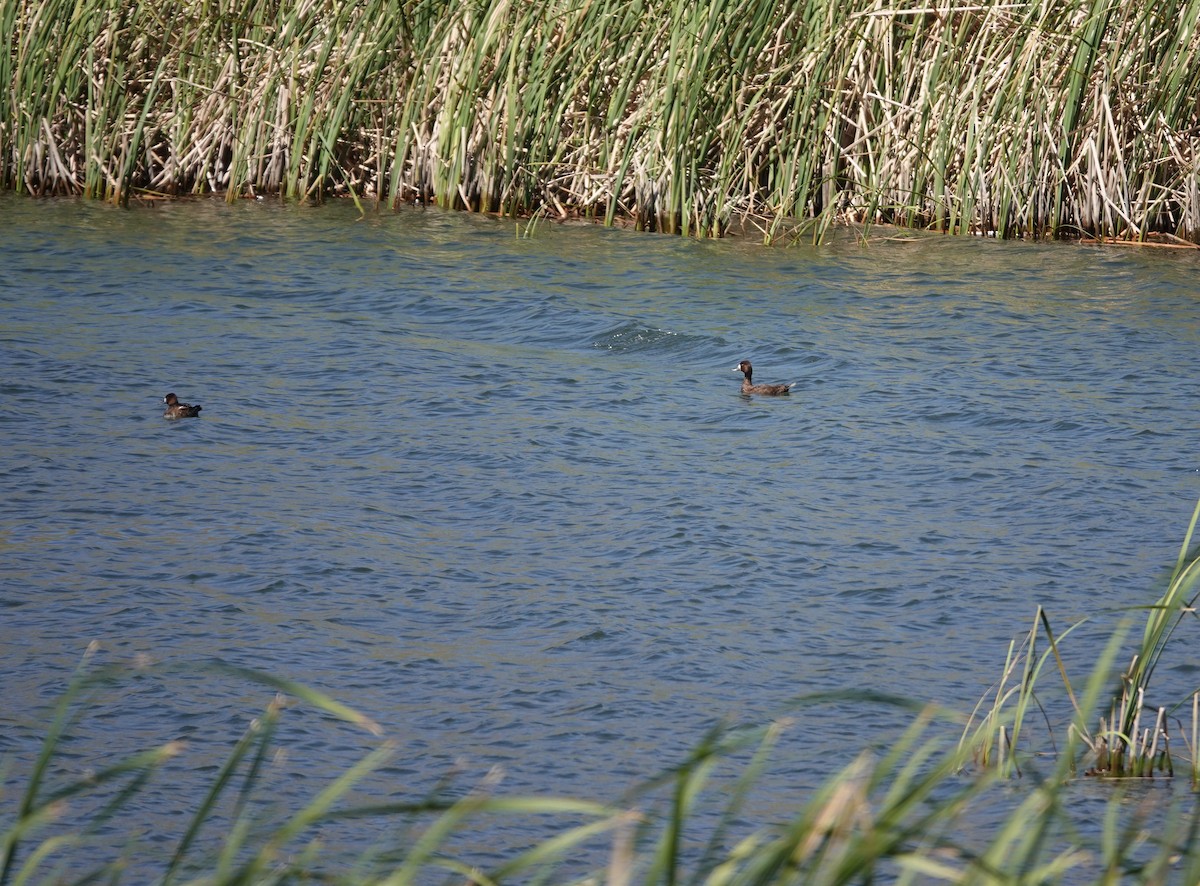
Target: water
[(503, 496)]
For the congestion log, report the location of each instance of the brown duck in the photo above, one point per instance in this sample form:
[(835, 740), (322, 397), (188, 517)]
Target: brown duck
[(175, 409), (749, 387)]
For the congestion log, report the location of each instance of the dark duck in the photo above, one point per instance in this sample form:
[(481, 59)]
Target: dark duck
[(749, 387), (175, 409)]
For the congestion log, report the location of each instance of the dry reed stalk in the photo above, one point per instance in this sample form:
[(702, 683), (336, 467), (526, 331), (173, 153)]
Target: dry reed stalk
[(988, 117)]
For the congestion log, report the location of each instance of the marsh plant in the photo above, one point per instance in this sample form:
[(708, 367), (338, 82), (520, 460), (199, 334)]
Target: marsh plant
[(999, 118), (893, 811), (1130, 739)]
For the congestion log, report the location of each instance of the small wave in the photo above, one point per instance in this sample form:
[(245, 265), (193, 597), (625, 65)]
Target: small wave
[(631, 337), (634, 336)]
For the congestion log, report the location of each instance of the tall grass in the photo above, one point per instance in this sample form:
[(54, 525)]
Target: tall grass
[(893, 814), (1131, 739), (1012, 118)]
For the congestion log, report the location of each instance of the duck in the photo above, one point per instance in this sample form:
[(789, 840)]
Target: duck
[(748, 386), (175, 409)]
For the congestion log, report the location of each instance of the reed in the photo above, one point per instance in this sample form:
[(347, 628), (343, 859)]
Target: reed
[(992, 742), (1131, 741), (1011, 119), (890, 814)]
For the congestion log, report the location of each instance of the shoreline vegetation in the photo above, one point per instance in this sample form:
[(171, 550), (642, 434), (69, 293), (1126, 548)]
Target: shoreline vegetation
[(1074, 119), (893, 813)]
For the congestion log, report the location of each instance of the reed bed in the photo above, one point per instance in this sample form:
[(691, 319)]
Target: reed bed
[(995, 117)]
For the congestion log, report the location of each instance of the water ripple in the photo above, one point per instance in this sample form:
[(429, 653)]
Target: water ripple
[(505, 494)]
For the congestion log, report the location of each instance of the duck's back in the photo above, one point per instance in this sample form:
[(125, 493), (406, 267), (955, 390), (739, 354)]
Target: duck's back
[(175, 409), (769, 390)]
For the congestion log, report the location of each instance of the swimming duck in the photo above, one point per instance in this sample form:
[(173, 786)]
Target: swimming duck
[(748, 387), (175, 409)]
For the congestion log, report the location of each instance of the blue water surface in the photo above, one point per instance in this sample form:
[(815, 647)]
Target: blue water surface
[(502, 495)]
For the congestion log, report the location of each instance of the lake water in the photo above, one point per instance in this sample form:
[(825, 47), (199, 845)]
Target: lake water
[(502, 494)]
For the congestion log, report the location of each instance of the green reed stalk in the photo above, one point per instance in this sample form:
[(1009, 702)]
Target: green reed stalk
[(30, 813), (1014, 119), (891, 813), (1165, 616), (1126, 744), (1022, 843), (259, 735), (994, 741), (39, 805)]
